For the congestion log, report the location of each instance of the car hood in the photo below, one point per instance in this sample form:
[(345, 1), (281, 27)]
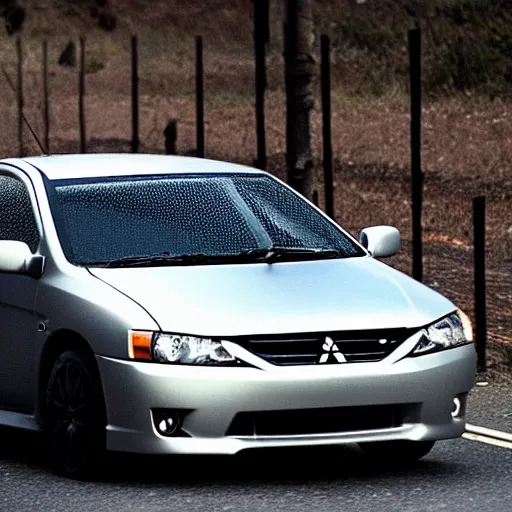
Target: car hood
[(230, 300)]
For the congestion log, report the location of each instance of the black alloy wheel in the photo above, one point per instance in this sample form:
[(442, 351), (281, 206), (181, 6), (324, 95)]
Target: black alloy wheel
[(74, 417)]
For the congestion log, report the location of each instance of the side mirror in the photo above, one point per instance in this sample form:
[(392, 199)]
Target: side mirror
[(380, 241), (16, 258)]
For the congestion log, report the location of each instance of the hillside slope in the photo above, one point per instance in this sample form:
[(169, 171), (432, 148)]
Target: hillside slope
[(465, 138), (467, 44)]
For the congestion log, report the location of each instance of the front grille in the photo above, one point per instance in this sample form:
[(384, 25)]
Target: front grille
[(315, 421), (311, 348)]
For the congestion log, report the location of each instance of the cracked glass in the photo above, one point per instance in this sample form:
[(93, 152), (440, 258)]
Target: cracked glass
[(105, 219), (17, 221)]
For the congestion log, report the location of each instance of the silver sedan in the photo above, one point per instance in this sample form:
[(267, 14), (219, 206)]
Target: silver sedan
[(171, 305)]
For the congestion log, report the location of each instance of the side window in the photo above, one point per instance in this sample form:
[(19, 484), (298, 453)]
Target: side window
[(17, 221)]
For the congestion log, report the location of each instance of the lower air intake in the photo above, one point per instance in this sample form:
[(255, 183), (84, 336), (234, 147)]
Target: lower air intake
[(315, 421)]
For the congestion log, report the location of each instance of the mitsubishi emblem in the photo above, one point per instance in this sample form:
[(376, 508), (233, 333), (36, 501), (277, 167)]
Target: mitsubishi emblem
[(330, 348)]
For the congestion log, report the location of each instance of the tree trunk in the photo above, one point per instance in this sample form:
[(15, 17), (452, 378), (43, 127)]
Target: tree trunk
[(300, 70)]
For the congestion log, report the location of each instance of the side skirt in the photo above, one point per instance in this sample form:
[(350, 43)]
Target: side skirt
[(19, 420)]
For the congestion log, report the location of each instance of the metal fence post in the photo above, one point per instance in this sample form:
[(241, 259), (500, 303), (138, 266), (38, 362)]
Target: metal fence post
[(480, 292), (135, 96), (200, 142), (46, 98), (81, 95), (417, 174), (19, 54)]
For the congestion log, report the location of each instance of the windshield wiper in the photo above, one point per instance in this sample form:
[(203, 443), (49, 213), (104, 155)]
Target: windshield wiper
[(160, 260), (260, 255), (275, 253)]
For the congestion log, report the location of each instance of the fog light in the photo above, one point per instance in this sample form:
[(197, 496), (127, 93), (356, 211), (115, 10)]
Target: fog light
[(168, 422), (167, 426), (456, 407)]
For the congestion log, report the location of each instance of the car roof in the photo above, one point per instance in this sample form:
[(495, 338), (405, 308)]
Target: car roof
[(56, 167)]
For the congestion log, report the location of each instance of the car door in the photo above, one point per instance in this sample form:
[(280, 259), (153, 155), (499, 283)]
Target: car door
[(18, 326)]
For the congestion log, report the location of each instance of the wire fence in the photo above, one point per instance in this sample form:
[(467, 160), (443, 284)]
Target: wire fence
[(170, 133)]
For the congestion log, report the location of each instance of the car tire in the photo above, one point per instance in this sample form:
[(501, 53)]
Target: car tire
[(74, 417), (397, 452)]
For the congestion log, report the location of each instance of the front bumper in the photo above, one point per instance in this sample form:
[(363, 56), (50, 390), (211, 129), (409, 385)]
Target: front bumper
[(423, 388)]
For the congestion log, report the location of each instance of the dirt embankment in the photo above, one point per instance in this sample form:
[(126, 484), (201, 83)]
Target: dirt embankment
[(467, 131)]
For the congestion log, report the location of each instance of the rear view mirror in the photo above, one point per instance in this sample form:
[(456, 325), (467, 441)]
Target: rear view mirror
[(380, 241), (16, 258)]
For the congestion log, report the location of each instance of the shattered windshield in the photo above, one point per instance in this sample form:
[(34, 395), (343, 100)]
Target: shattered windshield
[(101, 220)]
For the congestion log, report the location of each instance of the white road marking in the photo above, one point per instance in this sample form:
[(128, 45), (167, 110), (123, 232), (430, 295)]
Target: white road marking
[(487, 440), (495, 434)]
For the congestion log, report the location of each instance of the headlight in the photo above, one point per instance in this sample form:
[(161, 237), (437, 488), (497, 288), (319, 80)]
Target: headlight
[(178, 349), (451, 331)]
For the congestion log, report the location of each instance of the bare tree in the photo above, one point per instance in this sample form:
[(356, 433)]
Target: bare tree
[(300, 71)]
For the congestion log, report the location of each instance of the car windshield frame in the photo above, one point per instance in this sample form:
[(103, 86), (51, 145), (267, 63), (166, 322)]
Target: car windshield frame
[(353, 248)]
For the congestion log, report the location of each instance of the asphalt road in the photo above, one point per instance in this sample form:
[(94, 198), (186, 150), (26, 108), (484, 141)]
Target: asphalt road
[(458, 475)]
